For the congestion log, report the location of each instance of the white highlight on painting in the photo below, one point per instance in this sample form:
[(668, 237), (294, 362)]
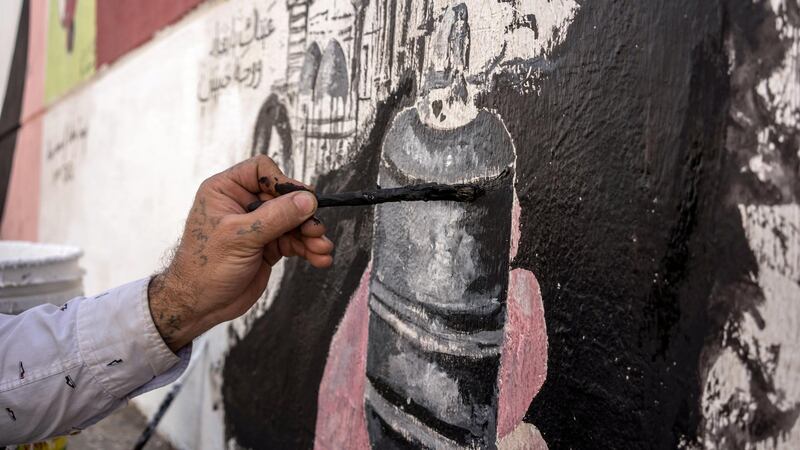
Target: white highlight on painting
[(774, 236), (781, 90)]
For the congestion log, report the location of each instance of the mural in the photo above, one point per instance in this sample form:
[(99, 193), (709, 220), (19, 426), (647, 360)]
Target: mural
[(630, 280), (446, 317)]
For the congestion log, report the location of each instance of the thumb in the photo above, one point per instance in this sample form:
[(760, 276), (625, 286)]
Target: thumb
[(278, 216)]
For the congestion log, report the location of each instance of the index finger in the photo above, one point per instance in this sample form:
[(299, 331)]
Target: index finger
[(260, 174)]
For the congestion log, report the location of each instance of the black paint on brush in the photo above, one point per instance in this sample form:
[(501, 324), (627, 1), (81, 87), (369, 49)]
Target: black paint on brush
[(286, 188), (425, 192), (414, 193)]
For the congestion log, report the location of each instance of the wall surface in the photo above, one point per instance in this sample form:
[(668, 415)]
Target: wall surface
[(631, 280)]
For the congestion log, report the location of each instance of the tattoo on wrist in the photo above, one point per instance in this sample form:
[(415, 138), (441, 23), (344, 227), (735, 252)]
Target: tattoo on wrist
[(172, 326), (166, 311)]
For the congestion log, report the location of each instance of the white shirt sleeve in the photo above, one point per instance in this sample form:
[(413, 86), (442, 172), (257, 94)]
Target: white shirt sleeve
[(64, 368)]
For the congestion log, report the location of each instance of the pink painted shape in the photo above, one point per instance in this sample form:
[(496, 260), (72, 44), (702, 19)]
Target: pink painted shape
[(21, 217), (341, 422), (523, 362), (33, 98), (525, 437)]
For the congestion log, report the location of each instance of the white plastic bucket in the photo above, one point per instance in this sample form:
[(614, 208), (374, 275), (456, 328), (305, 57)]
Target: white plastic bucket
[(32, 274)]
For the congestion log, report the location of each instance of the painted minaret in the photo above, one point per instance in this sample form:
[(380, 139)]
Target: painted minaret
[(440, 269), (298, 34)]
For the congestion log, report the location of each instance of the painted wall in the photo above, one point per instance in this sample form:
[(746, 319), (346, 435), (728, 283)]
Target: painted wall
[(630, 282)]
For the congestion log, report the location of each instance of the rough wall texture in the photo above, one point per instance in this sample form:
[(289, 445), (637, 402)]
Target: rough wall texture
[(634, 285)]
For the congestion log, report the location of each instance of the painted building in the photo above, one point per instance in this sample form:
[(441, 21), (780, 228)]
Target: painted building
[(632, 283)]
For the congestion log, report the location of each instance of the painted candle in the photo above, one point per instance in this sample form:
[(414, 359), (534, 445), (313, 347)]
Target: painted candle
[(440, 269)]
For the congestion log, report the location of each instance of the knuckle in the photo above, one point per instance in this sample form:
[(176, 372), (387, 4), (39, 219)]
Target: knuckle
[(263, 159), (208, 184)]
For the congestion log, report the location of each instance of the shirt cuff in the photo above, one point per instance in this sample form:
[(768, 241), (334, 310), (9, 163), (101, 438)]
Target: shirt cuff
[(185, 355), (120, 344)]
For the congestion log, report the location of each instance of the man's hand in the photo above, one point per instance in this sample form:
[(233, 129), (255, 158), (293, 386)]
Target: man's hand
[(225, 257)]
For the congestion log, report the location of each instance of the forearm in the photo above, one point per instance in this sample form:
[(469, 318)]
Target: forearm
[(63, 369)]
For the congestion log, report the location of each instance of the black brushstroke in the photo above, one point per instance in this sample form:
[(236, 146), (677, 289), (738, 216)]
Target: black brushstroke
[(11, 113), (11, 414), (21, 371), (310, 69), (273, 115), (150, 428), (391, 439), (401, 402)]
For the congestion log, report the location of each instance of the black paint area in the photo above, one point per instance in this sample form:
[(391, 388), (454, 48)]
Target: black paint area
[(273, 116), (628, 184)]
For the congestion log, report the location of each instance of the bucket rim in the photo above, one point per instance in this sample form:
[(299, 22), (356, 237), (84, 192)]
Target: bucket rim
[(60, 253)]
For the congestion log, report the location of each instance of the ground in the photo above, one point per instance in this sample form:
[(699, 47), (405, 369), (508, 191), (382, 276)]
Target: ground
[(120, 431)]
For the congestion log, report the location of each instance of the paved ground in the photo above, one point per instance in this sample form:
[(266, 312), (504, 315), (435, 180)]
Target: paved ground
[(118, 431)]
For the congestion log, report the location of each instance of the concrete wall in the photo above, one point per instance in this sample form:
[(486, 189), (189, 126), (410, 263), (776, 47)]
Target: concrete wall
[(631, 283)]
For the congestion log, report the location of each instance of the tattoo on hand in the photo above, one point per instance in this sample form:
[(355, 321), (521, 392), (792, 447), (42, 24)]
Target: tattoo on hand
[(199, 232), (255, 227)]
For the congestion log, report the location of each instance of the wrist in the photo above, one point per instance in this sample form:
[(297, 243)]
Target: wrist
[(170, 307)]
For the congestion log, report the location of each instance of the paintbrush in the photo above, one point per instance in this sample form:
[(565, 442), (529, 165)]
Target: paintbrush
[(425, 192)]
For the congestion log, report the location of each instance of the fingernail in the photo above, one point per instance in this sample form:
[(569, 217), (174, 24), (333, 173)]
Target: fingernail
[(305, 201)]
